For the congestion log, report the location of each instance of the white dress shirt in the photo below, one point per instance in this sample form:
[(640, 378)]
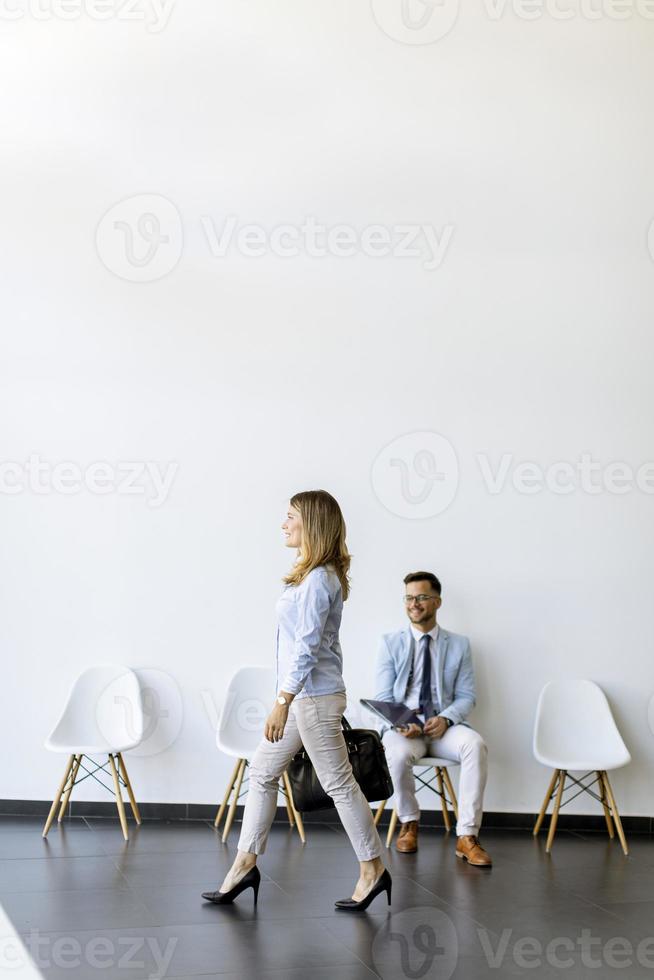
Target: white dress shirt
[(412, 698)]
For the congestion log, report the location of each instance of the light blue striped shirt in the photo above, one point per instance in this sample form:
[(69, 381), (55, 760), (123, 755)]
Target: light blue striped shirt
[(309, 657)]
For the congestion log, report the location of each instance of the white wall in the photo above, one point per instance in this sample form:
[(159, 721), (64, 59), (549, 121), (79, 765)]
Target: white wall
[(259, 376)]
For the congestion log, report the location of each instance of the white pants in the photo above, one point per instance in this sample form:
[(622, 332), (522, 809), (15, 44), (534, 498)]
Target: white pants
[(314, 722), (460, 744)]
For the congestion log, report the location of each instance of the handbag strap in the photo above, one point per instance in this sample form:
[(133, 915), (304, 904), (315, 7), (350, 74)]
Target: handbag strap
[(347, 727)]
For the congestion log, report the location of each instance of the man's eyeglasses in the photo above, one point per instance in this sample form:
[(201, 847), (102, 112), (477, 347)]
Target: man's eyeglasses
[(410, 599)]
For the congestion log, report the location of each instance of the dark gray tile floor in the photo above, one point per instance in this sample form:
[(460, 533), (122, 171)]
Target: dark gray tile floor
[(88, 905)]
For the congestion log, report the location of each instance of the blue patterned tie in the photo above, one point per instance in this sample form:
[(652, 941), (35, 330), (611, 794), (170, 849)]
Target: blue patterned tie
[(426, 703)]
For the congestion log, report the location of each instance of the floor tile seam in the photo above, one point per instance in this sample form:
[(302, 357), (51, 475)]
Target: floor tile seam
[(265, 879), (58, 857), (595, 905), (460, 911), (70, 891), (275, 970), (111, 857), (142, 853), (6, 892), (154, 888), (52, 857), (358, 958)]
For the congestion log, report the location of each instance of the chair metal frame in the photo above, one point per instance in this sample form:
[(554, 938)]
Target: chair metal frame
[(443, 788)]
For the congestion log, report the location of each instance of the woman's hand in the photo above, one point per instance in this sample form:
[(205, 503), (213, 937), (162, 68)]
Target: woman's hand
[(276, 723)]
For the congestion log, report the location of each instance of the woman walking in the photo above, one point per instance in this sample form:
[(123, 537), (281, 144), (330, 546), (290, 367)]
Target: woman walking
[(310, 704)]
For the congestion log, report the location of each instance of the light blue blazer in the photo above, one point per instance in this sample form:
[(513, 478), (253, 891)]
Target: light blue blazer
[(455, 677)]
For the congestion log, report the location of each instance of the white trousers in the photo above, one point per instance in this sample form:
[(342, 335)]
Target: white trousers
[(314, 722), (460, 744)]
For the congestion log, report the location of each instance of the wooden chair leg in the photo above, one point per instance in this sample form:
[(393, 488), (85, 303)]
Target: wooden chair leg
[(605, 805), (119, 797), (132, 800), (391, 827), (450, 790), (616, 815), (230, 787), (232, 808), (296, 814), (289, 809), (57, 800), (69, 788), (555, 812), (441, 792), (546, 802), (380, 810)]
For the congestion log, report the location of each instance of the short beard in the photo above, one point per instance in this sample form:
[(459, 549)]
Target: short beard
[(424, 617)]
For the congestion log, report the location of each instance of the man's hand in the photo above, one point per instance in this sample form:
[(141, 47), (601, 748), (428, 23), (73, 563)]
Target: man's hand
[(410, 731), (276, 723), (436, 727)]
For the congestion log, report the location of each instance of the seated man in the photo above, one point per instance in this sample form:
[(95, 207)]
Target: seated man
[(430, 670)]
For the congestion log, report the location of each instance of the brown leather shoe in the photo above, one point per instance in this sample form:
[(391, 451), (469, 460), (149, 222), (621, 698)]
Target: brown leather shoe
[(469, 849), (407, 840)]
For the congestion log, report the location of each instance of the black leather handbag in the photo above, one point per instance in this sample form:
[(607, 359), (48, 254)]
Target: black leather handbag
[(368, 759)]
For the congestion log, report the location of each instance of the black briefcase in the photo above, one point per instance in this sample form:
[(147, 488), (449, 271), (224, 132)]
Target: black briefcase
[(368, 759)]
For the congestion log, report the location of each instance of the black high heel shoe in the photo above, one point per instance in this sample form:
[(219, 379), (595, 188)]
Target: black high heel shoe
[(250, 880), (384, 884)]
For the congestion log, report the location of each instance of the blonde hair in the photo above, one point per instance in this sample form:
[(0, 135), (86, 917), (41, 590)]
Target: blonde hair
[(323, 537)]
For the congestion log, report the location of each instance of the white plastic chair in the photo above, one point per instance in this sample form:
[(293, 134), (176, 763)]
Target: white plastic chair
[(103, 715), (575, 730), (248, 701), (443, 788)]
